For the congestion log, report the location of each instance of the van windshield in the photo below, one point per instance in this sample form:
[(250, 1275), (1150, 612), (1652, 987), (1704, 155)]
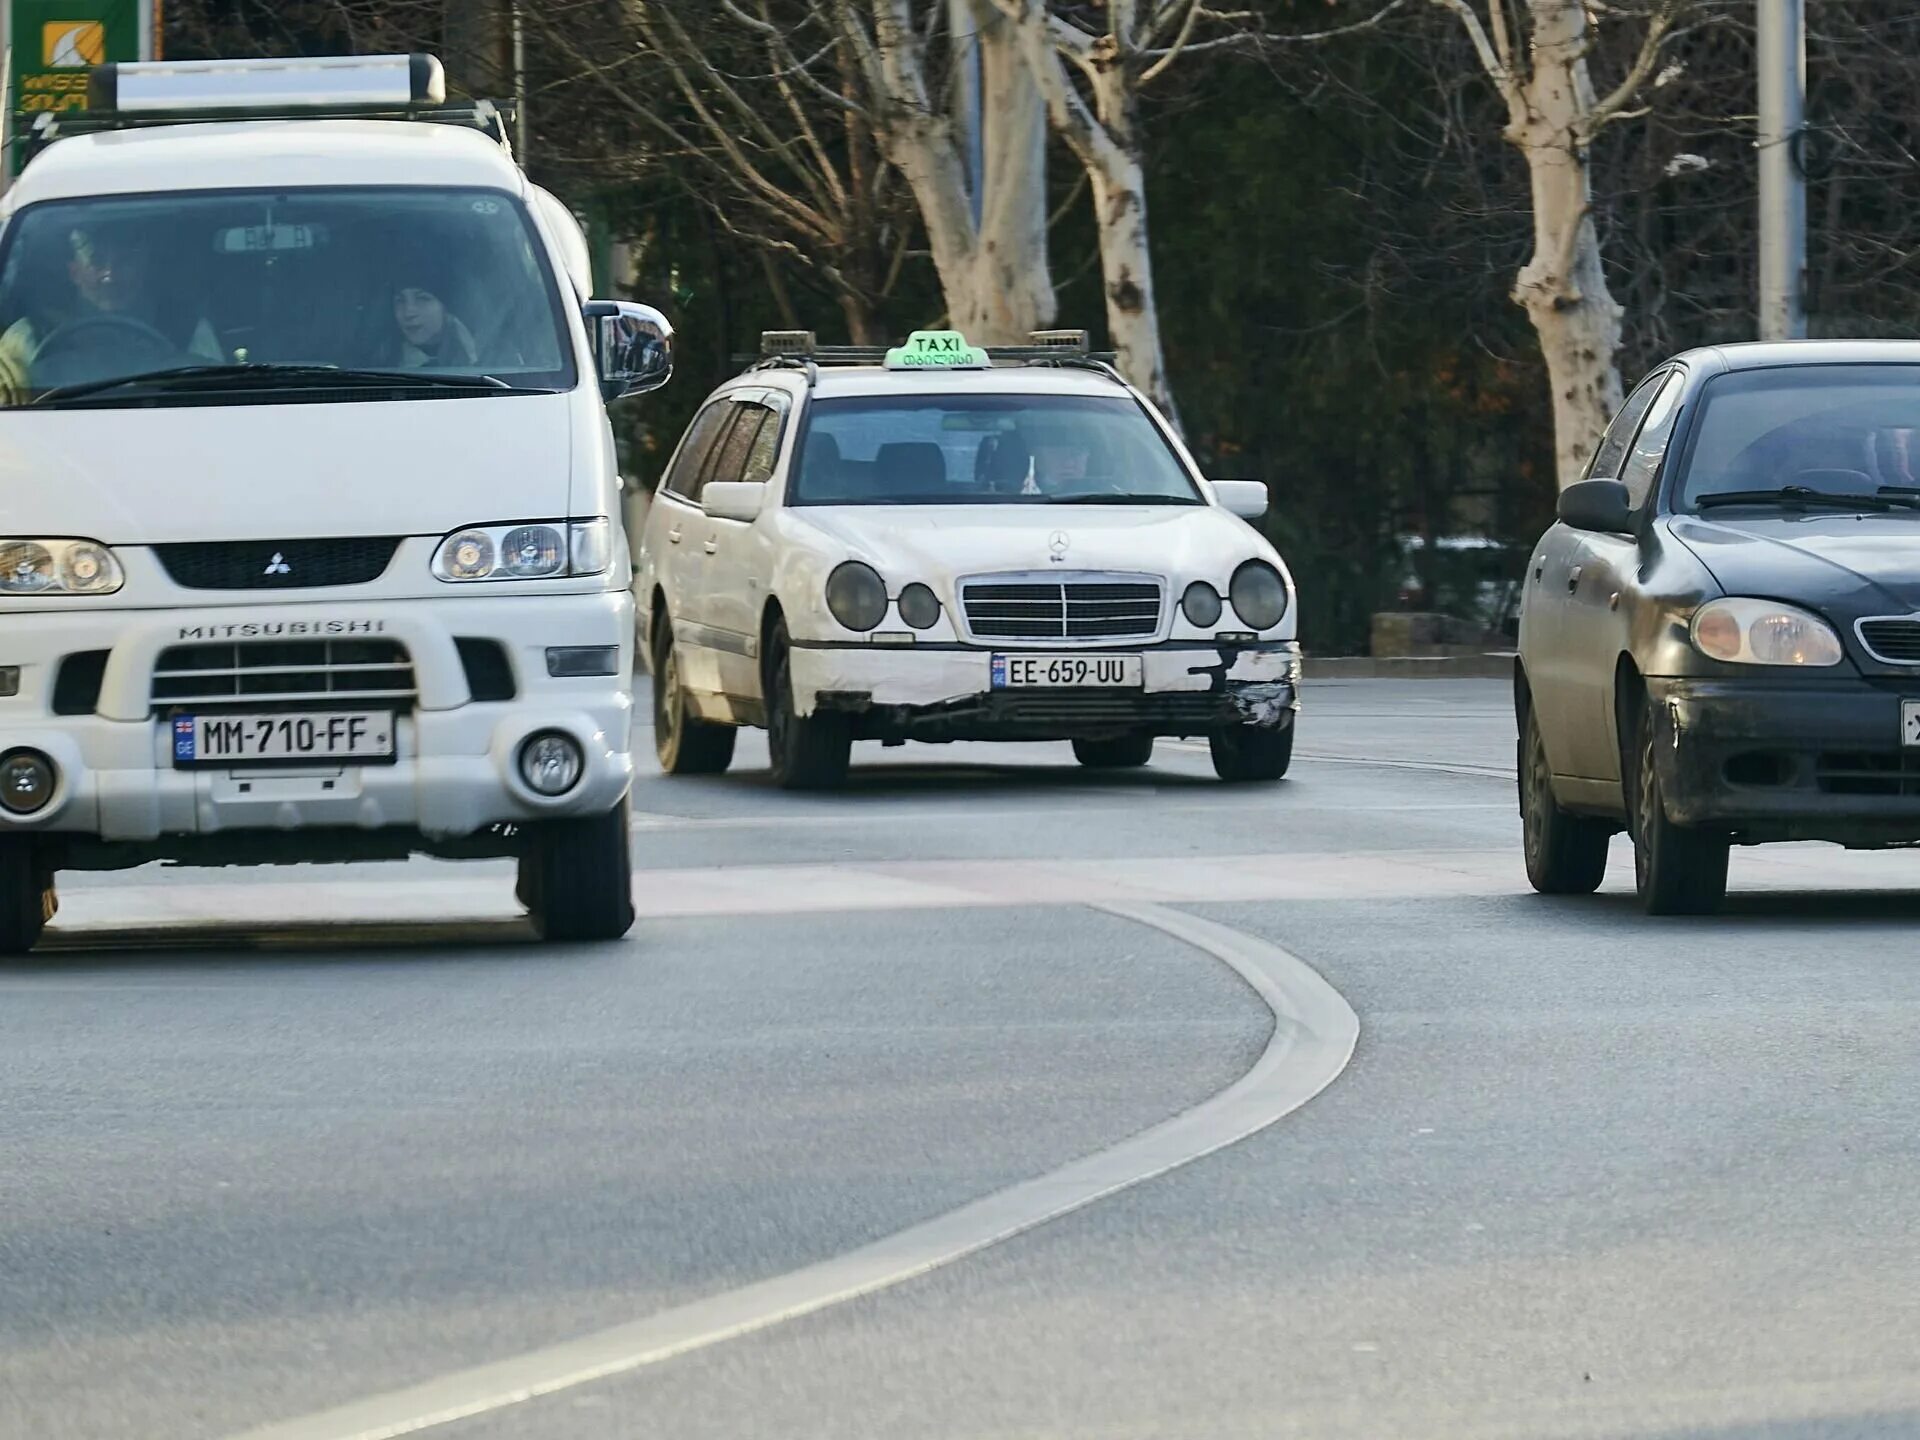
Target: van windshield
[(435, 282)]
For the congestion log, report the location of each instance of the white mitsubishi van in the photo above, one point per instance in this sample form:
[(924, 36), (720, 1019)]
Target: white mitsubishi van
[(310, 547)]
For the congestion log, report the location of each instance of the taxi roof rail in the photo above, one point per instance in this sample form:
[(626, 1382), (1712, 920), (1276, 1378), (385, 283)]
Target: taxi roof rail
[(801, 349)]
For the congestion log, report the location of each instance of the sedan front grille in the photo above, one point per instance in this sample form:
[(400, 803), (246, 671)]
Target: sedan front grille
[(285, 672), (1892, 641), (1871, 772), (278, 564), (1083, 608)]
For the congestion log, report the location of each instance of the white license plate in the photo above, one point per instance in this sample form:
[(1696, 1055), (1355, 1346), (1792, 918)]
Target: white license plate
[(359, 736), (1080, 672), (1910, 722)]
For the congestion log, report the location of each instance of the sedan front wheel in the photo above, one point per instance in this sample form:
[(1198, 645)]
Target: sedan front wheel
[(1677, 870), (1566, 854)]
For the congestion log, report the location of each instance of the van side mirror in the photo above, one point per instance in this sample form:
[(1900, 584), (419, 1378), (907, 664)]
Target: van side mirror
[(1602, 505), (1245, 498), (632, 345), (741, 500)]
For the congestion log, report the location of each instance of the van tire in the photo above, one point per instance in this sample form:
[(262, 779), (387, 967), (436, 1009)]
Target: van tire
[(809, 752), (683, 743), (1122, 752), (1244, 754), (27, 900), (576, 877), (1677, 869), (1566, 854)]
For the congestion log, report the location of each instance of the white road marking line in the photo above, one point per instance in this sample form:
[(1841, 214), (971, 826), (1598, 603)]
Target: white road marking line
[(1313, 1038)]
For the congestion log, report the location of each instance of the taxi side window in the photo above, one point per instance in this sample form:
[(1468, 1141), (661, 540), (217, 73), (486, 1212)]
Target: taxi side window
[(766, 443), (1612, 454), (683, 481), (730, 461), (1650, 446)]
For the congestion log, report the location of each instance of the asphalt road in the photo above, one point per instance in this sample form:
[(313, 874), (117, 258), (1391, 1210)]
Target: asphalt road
[(274, 1142)]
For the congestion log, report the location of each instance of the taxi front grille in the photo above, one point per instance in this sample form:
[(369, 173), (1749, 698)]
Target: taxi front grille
[(1892, 641), (278, 564), (283, 672), (1063, 608)]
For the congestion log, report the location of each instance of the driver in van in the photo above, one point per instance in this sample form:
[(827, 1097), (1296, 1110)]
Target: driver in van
[(109, 271), (430, 334)]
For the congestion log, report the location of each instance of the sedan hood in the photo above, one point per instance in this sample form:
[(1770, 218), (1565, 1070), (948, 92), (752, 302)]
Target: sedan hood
[(936, 542), (1862, 564), (248, 472)]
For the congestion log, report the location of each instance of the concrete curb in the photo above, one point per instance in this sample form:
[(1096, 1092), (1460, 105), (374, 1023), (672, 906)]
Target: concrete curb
[(1495, 665)]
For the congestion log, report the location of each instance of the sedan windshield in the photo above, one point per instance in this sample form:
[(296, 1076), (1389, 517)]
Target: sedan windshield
[(1828, 437), (987, 450), (103, 300)]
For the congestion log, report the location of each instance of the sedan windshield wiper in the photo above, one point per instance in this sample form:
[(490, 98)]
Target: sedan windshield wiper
[(270, 376), (1802, 496), (1104, 498)]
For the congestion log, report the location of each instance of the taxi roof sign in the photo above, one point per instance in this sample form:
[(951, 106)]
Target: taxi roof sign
[(937, 350)]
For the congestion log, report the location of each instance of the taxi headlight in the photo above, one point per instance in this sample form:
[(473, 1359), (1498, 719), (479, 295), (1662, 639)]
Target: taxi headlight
[(1201, 605), (531, 550), (1259, 595), (1764, 632), (919, 607), (857, 595), (58, 567)]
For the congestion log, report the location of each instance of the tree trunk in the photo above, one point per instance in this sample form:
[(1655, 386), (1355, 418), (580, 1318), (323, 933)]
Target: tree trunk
[(1563, 287), (1126, 268)]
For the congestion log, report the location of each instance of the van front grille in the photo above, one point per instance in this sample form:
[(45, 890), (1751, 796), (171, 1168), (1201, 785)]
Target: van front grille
[(285, 672), (278, 564)]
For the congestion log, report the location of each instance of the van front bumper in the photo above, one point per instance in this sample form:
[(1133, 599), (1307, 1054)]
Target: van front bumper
[(946, 692), (456, 771)]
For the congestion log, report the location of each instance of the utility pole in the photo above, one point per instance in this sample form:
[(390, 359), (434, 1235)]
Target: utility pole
[(1783, 183), (964, 26)]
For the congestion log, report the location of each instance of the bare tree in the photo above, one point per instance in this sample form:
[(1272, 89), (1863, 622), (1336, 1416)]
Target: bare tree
[(1536, 52)]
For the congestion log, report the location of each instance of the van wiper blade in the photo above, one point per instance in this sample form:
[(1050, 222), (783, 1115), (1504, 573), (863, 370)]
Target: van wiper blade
[(1803, 497), (270, 376), (1103, 498)]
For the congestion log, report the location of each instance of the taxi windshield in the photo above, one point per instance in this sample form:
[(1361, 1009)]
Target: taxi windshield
[(107, 296), (1806, 431), (987, 450)]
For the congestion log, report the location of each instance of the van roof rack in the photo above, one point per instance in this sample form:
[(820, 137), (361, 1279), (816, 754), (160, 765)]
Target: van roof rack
[(801, 350), (188, 92)]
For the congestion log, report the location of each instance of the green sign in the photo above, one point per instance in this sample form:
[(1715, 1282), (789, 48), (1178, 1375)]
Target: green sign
[(55, 45), (937, 350)]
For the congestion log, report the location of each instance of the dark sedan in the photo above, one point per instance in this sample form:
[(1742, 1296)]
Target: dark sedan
[(1720, 638)]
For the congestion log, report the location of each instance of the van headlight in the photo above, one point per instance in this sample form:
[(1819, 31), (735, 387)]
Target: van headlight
[(533, 550), (58, 567), (1764, 632), (1259, 595)]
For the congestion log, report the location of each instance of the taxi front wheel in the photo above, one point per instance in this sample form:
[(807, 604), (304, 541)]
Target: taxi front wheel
[(1124, 752), (809, 752), (26, 896), (683, 744), (1247, 753)]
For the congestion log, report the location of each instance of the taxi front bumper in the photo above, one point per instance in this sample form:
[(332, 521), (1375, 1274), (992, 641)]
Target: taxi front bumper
[(1804, 761), (946, 692), (456, 770)]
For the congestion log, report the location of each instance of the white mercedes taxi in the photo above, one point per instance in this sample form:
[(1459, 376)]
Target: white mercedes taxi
[(939, 542)]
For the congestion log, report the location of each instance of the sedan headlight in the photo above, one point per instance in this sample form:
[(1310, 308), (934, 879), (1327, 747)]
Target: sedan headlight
[(1258, 594), (536, 550), (857, 595), (1764, 632), (58, 567)]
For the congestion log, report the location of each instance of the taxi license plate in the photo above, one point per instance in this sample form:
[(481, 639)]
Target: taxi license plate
[(1910, 722), (357, 736), (1088, 672)]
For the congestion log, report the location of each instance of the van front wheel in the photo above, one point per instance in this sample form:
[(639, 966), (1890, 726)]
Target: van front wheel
[(576, 877), (26, 896)]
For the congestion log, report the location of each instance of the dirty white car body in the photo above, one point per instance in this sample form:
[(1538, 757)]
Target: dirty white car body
[(735, 561)]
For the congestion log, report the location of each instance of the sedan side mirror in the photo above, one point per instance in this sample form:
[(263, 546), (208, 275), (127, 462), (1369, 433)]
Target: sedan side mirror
[(1245, 498), (741, 500), (1602, 505), (632, 345)]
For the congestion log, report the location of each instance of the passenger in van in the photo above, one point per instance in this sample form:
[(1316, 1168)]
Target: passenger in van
[(110, 271), (430, 334)]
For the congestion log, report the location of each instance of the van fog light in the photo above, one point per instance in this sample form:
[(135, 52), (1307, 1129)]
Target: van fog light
[(27, 780), (551, 763)]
